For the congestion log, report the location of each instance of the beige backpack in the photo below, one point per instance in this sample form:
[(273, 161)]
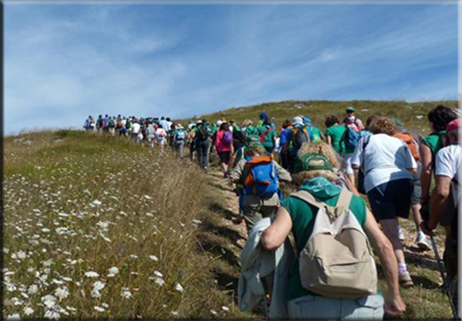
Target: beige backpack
[(337, 261)]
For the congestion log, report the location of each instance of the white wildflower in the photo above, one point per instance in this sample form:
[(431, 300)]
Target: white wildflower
[(63, 214), (159, 281), (179, 288), (52, 314), (48, 262), (195, 221), (91, 274), (99, 309), (28, 310), (126, 294), (224, 308), (49, 301), (213, 312), (97, 287), (45, 230), (32, 289), (154, 258), (133, 256), (14, 316), (62, 292), (21, 255), (147, 197), (113, 271), (157, 273), (174, 313), (97, 203)]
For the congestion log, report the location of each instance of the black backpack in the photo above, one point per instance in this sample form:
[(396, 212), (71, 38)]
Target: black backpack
[(202, 133)]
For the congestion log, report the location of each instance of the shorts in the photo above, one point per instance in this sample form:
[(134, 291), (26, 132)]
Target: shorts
[(319, 308), (391, 199), (346, 164), (225, 156)]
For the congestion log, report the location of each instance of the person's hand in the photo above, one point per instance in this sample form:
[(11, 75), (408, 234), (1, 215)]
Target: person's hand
[(425, 229), (394, 305)]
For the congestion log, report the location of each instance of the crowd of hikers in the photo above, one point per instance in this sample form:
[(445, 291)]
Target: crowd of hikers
[(327, 270)]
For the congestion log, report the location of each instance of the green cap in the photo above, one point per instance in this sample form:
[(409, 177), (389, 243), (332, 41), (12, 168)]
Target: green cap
[(350, 109), (312, 162)]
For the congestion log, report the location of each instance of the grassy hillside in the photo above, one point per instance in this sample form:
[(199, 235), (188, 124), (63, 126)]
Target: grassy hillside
[(409, 113), (97, 227)]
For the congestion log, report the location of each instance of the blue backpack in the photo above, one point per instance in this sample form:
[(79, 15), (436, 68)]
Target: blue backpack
[(351, 137), (262, 179)]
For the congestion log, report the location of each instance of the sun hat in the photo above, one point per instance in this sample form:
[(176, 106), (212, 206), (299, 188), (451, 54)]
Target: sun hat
[(179, 126), (297, 121), (312, 162), (350, 109)]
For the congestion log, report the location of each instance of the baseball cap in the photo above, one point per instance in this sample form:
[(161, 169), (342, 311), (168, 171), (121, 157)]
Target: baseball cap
[(297, 121), (350, 109), (312, 162)]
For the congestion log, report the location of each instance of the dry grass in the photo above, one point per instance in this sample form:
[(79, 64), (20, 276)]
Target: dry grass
[(77, 203)]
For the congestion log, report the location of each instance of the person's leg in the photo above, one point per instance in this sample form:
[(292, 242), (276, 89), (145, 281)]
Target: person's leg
[(206, 153), (348, 169), (251, 215), (181, 147)]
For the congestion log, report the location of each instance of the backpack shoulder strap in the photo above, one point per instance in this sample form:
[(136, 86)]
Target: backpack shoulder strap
[(307, 197), (344, 199)]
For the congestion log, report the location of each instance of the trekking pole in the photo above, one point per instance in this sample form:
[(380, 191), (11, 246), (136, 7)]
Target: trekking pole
[(445, 284)]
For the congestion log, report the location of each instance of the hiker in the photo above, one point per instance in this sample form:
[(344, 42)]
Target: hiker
[(331, 300), (267, 134), (179, 139), (99, 123), (261, 187), (296, 137), (388, 166), (284, 152), (314, 132), (445, 200), (224, 146), (411, 138), (239, 144), (105, 124), (89, 124), (336, 136), (250, 130), (164, 123), (353, 121), (438, 117), (161, 136), (202, 142), (191, 141), (150, 135)]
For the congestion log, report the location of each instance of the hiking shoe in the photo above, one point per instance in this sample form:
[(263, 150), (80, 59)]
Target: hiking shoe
[(422, 241), (400, 233), (405, 280)]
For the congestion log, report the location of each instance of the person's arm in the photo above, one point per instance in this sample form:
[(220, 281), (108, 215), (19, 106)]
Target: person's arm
[(275, 235), (438, 202), (236, 173), (357, 157), (426, 173), (329, 140), (282, 173), (394, 304)]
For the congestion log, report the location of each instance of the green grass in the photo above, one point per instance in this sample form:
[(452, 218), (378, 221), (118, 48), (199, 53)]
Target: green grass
[(318, 109), (55, 231)]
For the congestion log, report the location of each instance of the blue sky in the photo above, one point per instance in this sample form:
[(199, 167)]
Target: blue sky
[(64, 61)]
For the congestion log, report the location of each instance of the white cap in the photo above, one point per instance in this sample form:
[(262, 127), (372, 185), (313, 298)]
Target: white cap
[(297, 121)]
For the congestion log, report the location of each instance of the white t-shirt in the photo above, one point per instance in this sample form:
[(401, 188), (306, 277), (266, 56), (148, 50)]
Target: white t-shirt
[(136, 128), (447, 163), (385, 159)]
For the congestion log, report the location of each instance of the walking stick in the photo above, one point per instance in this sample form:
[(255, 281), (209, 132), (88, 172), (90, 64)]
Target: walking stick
[(445, 284)]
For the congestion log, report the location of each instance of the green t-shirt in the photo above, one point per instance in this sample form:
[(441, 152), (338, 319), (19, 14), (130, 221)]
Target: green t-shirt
[(317, 133), (270, 137), (434, 142), (303, 216), (336, 134)]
